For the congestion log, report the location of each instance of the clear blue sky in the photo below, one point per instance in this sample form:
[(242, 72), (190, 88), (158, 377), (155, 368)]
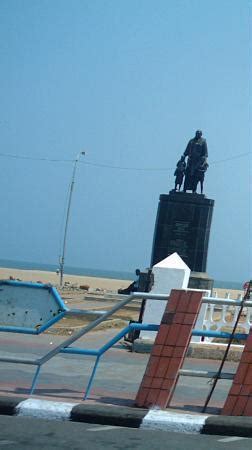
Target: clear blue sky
[(129, 82)]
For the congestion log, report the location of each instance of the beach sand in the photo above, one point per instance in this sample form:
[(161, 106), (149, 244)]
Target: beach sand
[(106, 284), (95, 298)]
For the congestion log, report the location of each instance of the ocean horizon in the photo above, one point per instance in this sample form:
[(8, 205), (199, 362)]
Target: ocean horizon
[(99, 273), (70, 270)]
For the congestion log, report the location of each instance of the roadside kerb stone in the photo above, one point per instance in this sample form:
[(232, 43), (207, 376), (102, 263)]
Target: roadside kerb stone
[(228, 426), (109, 415), (8, 405), (166, 420)]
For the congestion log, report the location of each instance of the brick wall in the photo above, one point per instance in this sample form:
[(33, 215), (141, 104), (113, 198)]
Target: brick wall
[(239, 400), (169, 349)]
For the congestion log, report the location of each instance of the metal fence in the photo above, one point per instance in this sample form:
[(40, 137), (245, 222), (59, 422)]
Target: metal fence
[(66, 346)]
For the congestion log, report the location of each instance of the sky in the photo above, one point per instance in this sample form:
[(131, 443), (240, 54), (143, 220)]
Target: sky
[(129, 82)]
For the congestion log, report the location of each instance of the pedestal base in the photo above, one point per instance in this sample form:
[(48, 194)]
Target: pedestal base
[(200, 280), (183, 226)]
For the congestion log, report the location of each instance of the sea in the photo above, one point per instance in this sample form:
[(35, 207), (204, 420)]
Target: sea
[(100, 273)]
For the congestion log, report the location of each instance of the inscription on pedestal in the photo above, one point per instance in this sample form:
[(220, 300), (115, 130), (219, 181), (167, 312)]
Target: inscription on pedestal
[(179, 243)]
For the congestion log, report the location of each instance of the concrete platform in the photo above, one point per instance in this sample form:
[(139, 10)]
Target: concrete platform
[(199, 350)]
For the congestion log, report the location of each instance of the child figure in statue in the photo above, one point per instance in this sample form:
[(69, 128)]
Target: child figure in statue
[(179, 173)]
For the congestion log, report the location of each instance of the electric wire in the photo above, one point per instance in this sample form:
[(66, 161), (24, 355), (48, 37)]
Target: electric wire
[(110, 166)]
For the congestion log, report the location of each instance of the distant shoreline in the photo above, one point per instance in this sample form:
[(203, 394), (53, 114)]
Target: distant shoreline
[(47, 277), (96, 273), (94, 283), (79, 271)]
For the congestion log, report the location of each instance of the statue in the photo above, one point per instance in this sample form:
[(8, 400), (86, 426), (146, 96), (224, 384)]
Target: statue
[(196, 153), (180, 173), (199, 175)]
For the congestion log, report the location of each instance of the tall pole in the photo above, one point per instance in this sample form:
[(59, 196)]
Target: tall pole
[(62, 257)]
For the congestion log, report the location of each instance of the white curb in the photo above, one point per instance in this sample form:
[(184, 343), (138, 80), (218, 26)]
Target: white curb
[(167, 421), (44, 409), (155, 419)]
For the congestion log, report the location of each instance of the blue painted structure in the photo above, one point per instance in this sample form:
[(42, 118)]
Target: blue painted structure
[(29, 308), (65, 347)]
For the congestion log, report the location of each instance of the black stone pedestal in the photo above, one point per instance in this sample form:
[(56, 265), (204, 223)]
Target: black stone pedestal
[(200, 280), (183, 225)]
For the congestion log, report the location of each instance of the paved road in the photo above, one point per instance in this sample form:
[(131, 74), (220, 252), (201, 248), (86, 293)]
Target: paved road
[(117, 379), (26, 433)]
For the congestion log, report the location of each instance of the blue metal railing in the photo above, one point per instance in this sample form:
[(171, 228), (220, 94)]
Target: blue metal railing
[(133, 326), (65, 347)]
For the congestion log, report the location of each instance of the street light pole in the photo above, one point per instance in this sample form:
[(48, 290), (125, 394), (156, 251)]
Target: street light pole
[(62, 257)]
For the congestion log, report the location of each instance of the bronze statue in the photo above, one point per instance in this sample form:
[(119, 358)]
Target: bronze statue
[(199, 175), (196, 153), (180, 173)]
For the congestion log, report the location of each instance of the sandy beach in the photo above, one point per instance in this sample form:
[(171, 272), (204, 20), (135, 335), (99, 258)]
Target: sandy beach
[(106, 284)]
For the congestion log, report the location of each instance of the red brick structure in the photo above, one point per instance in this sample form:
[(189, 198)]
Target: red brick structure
[(169, 349), (239, 400)]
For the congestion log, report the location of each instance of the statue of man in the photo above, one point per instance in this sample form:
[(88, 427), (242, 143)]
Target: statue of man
[(196, 153)]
